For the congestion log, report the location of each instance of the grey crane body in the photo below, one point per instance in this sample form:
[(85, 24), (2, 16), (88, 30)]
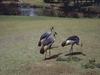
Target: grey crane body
[(72, 40), (43, 36), (46, 35), (46, 45), (46, 41)]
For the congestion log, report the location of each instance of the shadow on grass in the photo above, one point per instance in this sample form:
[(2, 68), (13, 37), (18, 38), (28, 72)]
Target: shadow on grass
[(69, 59), (75, 53), (53, 57)]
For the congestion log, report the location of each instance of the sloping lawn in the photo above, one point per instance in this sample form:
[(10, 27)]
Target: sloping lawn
[(19, 54)]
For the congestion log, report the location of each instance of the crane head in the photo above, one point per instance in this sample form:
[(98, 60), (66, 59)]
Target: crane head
[(63, 43), (42, 50)]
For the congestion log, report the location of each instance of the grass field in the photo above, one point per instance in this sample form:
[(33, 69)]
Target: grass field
[(19, 54), (36, 2)]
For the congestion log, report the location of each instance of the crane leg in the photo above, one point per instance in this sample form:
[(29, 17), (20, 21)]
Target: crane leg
[(49, 52), (45, 54), (71, 49)]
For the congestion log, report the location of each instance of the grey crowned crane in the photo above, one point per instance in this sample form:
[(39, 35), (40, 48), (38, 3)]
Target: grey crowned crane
[(72, 40), (46, 35), (46, 44)]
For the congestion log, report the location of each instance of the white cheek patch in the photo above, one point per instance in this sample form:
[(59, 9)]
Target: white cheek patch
[(69, 41)]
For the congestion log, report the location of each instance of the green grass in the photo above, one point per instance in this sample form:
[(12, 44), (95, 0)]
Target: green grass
[(19, 36), (36, 2)]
